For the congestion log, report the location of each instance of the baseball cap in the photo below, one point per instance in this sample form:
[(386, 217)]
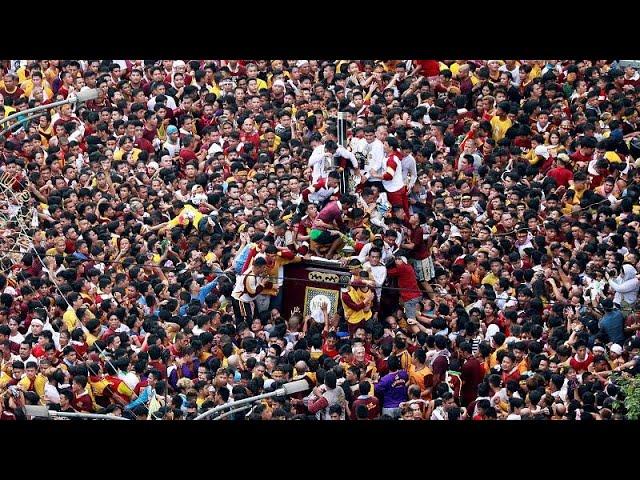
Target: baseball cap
[(615, 348), (492, 330), (301, 63), (172, 129)]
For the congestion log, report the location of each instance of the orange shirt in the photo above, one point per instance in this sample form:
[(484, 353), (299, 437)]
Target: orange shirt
[(423, 377)]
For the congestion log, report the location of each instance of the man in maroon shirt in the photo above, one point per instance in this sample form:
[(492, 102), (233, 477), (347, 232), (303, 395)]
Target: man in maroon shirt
[(440, 363), (81, 399), (150, 126), (371, 403), (11, 90), (328, 220), (471, 375), (141, 142), (187, 152)]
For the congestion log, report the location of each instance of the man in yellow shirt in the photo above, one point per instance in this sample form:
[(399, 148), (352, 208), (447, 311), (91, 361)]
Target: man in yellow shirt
[(33, 381), (70, 319), (7, 110), (252, 72), (575, 193), (58, 247), (36, 80), (497, 342), (493, 277), (126, 147), (420, 374), (500, 122)]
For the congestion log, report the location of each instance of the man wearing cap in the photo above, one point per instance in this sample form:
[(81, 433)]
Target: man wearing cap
[(278, 90), (172, 145), (615, 356), (467, 207)]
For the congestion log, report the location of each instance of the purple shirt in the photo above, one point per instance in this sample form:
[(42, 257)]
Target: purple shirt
[(393, 387)]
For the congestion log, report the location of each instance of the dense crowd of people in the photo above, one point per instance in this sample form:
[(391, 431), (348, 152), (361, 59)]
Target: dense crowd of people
[(486, 211)]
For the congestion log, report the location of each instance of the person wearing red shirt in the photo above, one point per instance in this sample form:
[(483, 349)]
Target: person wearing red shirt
[(584, 153), (560, 173), (141, 142), (598, 170), (236, 69), (329, 345), (428, 68), (187, 152), (582, 359), (392, 179), (509, 368), (409, 290), (249, 134), (67, 84)]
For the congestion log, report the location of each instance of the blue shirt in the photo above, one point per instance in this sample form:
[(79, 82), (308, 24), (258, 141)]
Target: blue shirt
[(204, 291), (613, 324), (144, 397)]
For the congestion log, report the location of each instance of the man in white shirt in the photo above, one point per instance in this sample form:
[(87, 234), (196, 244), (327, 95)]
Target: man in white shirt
[(321, 159), (216, 145), (318, 159), (159, 94), (512, 67), (408, 162), (375, 154), (172, 145), (377, 269), (389, 247), (358, 143), (523, 240)]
